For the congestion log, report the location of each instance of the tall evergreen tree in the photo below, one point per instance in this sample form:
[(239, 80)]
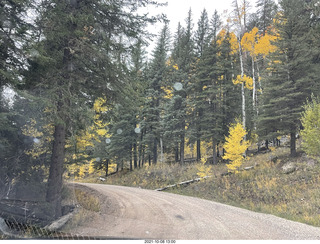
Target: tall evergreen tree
[(291, 78), (80, 58), (13, 36), (266, 10), (183, 56), (202, 34), (152, 108)]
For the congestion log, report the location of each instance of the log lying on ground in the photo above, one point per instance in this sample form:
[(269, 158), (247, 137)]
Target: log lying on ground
[(183, 183)]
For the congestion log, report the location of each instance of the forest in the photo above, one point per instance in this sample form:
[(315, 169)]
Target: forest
[(80, 93)]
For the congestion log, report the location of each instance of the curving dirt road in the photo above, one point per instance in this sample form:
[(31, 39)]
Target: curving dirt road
[(144, 214)]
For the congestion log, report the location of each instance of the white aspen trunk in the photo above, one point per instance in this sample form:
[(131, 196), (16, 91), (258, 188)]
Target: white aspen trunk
[(259, 79), (243, 106), (242, 88), (253, 85), (254, 93)]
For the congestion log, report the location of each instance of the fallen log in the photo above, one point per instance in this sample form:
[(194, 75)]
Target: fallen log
[(183, 183)]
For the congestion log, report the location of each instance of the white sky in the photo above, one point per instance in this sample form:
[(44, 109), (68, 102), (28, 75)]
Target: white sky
[(177, 11)]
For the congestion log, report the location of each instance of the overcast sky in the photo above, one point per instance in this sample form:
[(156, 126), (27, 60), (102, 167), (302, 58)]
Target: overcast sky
[(177, 11)]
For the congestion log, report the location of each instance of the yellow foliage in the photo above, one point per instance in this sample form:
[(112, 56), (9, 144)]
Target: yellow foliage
[(98, 105), (249, 40), (235, 147), (247, 80), (264, 46), (97, 130), (232, 40), (39, 139), (168, 91), (91, 168), (256, 45), (204, 170), (170, 63)]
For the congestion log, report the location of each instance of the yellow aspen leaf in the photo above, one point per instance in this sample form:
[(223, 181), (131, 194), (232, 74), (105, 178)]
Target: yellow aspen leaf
[(249, 40), (168, 91), (232, 40), (247, 80), (264, 45)]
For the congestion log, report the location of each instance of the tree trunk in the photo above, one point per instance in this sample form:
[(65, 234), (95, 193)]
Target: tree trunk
[(135, 156), (214, 151), (267, 144), (177, 153), (182, 150), (161, 150), (198, 150), (107, 167), (142, 159), (130, 161), (293, 151), (155, 150), (253, 85), (242, 89), (53, 195), (141, 152)]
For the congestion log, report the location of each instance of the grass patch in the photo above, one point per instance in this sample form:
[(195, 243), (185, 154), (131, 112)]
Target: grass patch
[(87, 201), (159, 175), (267, 189), (89, 208)]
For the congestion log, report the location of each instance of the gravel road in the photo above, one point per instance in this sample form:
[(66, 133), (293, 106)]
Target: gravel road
[(128, 212)]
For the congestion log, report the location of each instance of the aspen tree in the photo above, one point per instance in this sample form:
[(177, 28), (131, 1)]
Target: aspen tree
[(235, 147)]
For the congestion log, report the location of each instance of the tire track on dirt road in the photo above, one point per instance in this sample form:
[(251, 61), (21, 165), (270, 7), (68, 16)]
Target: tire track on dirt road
[(135, 213)]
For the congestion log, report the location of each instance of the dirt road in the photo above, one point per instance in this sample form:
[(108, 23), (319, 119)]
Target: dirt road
[(145, 214)]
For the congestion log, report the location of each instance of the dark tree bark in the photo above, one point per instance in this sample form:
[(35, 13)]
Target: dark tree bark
[(135, 156), (293, 151), (177, 153), (198, 150), (214, 151), (107, 167), (155, 150), (56, 169), (182, 150)]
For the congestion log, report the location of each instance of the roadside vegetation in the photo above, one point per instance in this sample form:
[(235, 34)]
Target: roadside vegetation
[(284, 186)]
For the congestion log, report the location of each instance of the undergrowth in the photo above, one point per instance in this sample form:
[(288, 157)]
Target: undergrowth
[(267, 189)]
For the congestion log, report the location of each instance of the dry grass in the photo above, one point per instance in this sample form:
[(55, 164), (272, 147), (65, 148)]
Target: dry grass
[(267, 189), (87, 201), (89, 207), (157, 176)]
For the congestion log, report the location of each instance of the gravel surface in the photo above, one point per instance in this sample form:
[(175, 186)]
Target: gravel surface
[(135, 213)]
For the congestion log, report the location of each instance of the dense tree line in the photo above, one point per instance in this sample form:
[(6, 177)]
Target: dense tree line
[(86, 93)]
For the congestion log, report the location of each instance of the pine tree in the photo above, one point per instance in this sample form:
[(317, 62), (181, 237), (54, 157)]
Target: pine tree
[(13, 35), (184, 77), (266, 10), (210, 98), (152, 108), (202, 39), (81, 52), (202, 34), (291, 78)]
